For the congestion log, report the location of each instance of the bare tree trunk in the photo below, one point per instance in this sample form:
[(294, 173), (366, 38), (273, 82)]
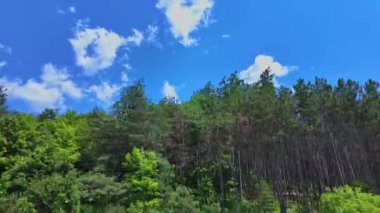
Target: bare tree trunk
[(221, 179), (240, 177), (337, 158)]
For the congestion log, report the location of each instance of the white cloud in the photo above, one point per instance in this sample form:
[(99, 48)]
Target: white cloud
[(226, 36), (50, 92), (3, 64), (185, 16), (70, 88), (127, 66), (82, 24), (72, 9), (136, 38), (104, 45), (6, 50), (124, 77), (52, 75), (261, 63), (151, 32), (105, 92), (124, 74), (169, 91), (38, 95), (152, 35), (60, 78), (96, 49)]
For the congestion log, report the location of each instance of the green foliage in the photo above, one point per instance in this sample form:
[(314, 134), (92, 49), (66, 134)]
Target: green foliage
[(205, 192), (18, 135), (165, 176), (209, 154), (147, 178), (14, 204), (132, 101), (150, 206), (211, 208), (52, 144), (133, 114), (349, 200), (99, 191), (181, 200), (48, 114), (141, 175), (265, 198), (245, 206), (92, 143), (263, 201), (55, 193), (35, 157), (107, 209), (60, 143)]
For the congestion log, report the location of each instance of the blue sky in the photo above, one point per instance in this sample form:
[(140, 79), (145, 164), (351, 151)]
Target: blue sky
[(78, 54)]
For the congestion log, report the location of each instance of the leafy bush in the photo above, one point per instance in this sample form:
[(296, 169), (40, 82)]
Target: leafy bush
[(54, 193), (99, 190), (349, 200), (14, 204), (181, 200)]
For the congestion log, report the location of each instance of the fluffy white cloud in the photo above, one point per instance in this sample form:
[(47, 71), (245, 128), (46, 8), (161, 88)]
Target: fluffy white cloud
[(185, 16), (37, 95), (95, 49), (60, 78), (105, 92), (69, 88), (49, 92), (2, 64), (52, 75), (169, 91), (261, 63)]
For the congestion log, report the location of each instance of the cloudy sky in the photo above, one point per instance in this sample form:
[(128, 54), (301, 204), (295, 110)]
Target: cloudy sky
[(73, 54)]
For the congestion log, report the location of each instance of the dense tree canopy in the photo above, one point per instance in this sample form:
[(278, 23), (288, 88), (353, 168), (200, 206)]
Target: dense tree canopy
[(234, 147)]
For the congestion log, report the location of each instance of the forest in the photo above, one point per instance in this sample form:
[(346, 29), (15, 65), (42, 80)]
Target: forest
[(232, 147)]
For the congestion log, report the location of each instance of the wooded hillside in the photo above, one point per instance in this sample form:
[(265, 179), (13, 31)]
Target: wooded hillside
[(234, 147)]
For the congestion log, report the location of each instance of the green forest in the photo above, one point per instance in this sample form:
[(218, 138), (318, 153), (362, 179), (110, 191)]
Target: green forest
[(232, 147)]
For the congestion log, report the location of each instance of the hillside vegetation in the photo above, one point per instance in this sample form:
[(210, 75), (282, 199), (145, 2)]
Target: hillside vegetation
[(234, 147)]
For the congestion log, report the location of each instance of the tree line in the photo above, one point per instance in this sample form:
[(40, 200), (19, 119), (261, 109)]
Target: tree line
[(234, 147)]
